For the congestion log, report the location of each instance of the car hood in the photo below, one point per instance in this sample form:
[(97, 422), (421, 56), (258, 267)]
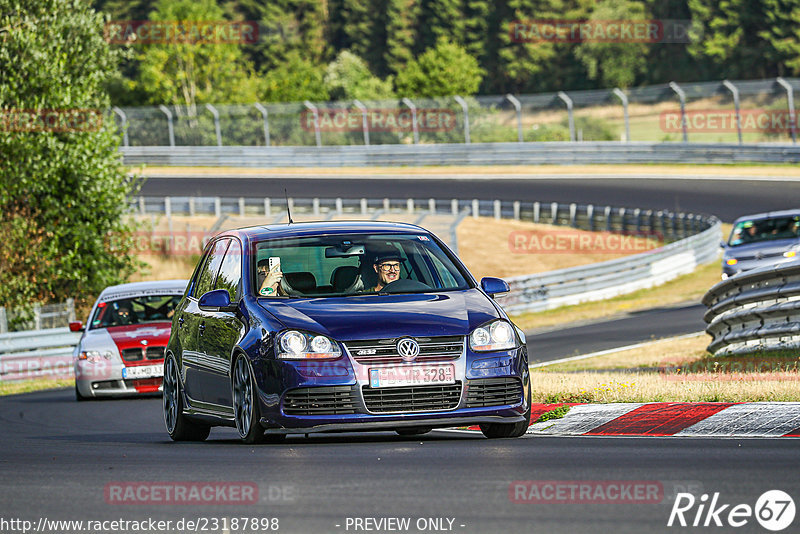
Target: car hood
[(137, 335), (767, 248), (386, 316)]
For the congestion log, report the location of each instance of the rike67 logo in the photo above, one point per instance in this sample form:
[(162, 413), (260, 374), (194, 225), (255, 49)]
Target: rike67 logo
[(774, 510)]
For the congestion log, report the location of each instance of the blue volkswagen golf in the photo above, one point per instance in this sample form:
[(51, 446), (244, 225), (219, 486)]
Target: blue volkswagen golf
[(337, 327)]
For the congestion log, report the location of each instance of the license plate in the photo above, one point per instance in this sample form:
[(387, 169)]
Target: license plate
[(417, 375), (143, 371)]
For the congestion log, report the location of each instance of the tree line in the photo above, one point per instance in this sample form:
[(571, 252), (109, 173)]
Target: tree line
[(373, 49)]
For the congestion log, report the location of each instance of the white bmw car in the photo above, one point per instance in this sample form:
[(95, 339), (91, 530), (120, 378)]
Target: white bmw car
[(121, 351)]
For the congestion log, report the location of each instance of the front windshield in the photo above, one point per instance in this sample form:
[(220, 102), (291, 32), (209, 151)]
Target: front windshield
[(134, 311), (353, 264), (770, 229)]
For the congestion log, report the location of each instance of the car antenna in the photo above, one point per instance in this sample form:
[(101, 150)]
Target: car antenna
[(288, 211)]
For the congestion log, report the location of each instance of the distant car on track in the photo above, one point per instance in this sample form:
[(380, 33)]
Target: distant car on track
[(121, 351), (760, 240), (338, 346)]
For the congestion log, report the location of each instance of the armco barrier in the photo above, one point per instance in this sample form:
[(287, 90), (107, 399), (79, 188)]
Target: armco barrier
[(755, 311), (37, 354), (460, 154)]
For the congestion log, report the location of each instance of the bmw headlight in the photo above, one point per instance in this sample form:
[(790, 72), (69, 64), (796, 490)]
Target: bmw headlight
[(296, 345), (497, 335), (94, 356)]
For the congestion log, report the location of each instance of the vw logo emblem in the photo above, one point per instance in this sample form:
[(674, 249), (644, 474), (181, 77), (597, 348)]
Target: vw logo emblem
[(408, 349), (143, 342)]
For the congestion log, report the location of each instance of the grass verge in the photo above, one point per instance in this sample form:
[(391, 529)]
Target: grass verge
[(670, 371), (38, 384)]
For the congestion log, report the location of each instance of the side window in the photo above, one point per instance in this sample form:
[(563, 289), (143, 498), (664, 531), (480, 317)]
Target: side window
[(205, 282), (230, 274)]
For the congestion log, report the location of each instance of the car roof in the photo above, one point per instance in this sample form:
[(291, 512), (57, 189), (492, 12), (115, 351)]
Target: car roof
[(273, 231), (768, 215), (133, 289)]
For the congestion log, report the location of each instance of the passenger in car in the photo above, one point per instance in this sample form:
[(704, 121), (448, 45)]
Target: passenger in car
[(270, 281)]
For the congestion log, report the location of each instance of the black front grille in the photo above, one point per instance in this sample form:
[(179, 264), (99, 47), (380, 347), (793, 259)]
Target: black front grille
[(377, 351), (413, 398), (332, 400), (494, 392), (137, 354)]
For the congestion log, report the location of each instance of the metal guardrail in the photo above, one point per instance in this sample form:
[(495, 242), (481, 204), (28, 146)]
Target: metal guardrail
[(692, 239), (37, 354), (460, 154), (755, 311)]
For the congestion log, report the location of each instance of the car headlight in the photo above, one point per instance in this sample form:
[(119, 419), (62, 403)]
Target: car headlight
[(296, 345), (94, 356), (732, 261), (497, 335), (790, 254)]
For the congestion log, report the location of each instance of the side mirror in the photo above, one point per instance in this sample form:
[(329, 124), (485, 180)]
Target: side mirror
[(494, 287), (75, 326), (722, 244), (216, 300)]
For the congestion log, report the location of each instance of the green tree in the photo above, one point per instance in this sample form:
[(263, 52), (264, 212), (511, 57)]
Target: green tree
[(615, 64), (348, 77), (63, 189), (190, 73), (783, 33), (732, 38), (447, 69), (297, 78)]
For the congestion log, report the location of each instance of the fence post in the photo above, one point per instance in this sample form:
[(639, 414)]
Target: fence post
[(516, 210), (339, 207), (573, 214), (142, 206), (622, 221), (315, 112), (386, 205), (170, 128), (363, 206), (537, 212), (3, 320), (518, 107), (554, 212), (217, 207), (410, 206), (590, 216), (241, 206), (267, 207), (191, 206), (432, 206), (124, 118), (568, 101), (265, 116), (364, 125), (315, 207), (464, 108), (454, 207), (792, 116), (476, 208), (217, 129), (414, 126), (497, 209), (624, 98), (70, 310), (607, 214), (735, 92), (37, 316), (168, 207), (682, 96)]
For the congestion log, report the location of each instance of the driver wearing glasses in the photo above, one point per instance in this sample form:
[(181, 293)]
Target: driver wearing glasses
[(387, 265)]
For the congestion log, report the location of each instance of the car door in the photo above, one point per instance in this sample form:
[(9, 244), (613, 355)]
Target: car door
[(222, 330), (199, 378)]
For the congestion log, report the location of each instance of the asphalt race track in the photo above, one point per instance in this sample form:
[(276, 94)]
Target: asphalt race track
[(59, 457), (727, 199), (633, 328)]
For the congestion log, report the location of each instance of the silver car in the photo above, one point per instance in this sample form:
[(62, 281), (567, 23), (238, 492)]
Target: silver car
[(760, 240), (121, 351)]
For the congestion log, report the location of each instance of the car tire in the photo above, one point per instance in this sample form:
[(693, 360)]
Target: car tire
[(246, 411), (179, 427), (78, 396), (413, 431), (510, 430)]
